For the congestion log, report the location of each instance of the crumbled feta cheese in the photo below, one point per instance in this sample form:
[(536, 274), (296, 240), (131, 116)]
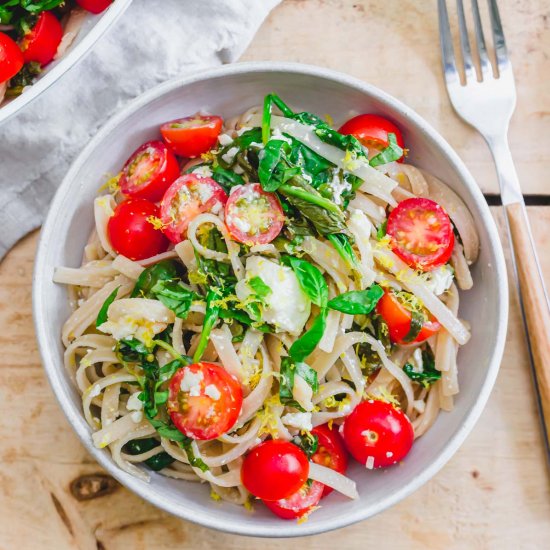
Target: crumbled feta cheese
[(416, 360), (137, 416), (224, 139), (230, 155), (191, 382), (439, 279), (203, 171), (134, 402), (212, 391), (241, 224), (205, 193), (300, 420), (369, 464), (287, 307)]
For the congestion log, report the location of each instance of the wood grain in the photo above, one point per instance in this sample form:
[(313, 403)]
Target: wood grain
[(535, 303), (494, 493)]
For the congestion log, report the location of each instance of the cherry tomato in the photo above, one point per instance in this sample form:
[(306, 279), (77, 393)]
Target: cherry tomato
[(331, 451), (41, 43), (377, 434), (11, 58), (204, 400), (189, 196), (252, 215), (300, 503), (421, 233), (372, 131), (274, 470), (191, 136), (131, 232), (149, 172), (398, 318), (94, 6)]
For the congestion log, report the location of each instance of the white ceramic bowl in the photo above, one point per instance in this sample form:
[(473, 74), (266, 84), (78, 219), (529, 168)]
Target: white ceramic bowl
[(229, 91), (93, 28)]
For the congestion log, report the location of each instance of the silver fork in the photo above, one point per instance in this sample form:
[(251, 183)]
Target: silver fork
[(488, 105)]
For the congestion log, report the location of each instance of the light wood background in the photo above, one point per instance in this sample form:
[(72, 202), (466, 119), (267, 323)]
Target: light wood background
[(494, 493)]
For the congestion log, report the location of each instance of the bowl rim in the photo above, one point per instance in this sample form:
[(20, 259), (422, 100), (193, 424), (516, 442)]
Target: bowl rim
[(67, 61), (56, 373)]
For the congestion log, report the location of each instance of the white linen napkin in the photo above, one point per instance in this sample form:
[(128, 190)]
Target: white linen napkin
[(155, 40)]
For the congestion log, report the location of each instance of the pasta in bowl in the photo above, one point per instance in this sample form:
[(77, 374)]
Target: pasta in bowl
[(267, 301)]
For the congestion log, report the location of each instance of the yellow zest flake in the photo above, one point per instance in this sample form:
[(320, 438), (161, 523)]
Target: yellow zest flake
[(214, 496), (330, 402), (344, 403), (350, 161), (329, 119), (330, 422), (268, 419), (248, 505), (197, 277), (305, 517), (384, 395), (112, 184), (157, 223), (208, 156)]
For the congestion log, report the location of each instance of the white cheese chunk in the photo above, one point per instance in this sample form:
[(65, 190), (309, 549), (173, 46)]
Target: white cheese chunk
[(300, 420), (287, 307), (191, 382), (212, 391), (439, 279)]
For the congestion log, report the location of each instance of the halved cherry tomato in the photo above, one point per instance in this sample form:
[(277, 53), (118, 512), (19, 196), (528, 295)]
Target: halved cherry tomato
[(398, 318), (300, 503), (377, 434), (11, 58), (94, 6), (274, 469), (149, 172), (372, 131), (193, 135), (331, 451), (204, 400), (131, 232), (189, 196), (41, 43), (421, 233), (252, 215)]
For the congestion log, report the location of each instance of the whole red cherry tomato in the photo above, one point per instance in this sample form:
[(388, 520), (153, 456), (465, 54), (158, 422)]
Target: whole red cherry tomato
[(377, 434), (94, 6), (132, 232), (41, 43), (11, 58)]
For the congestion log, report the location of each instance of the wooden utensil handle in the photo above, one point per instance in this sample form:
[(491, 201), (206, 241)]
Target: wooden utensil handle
[(535, 304)]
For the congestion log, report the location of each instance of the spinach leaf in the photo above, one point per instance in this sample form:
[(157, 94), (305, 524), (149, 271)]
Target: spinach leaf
[(388, 154), (381, 230), (357, 302), (210, 320), (174, 296), (212, 272), (102, 315), (289, 369), (417, 321), (375, 325), (226, 178), (132, 350), (150, 395), (343, 247), (165, 270), (258, 285), (274, 168), (309, 443), (429, 373), (311, 280), (194, 461), (139, 446), (304, 346)]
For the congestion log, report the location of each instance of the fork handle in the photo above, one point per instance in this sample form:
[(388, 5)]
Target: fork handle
[(535, 303)]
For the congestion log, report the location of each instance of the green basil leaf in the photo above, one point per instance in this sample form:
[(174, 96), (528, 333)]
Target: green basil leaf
[(165, 270), (258, 285), (195, 462), (417, 321), (389, 154), (309, 375), (429, 374), (310, 278), (309, 443), (381, 230), (102, 315), (304, 346), (343, 247), (286, 380), (139, 446), (132, 350), (210, 319), (357, 302), (174, 296)]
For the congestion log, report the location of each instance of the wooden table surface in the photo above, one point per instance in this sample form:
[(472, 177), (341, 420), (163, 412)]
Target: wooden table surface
[(494, 493)]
